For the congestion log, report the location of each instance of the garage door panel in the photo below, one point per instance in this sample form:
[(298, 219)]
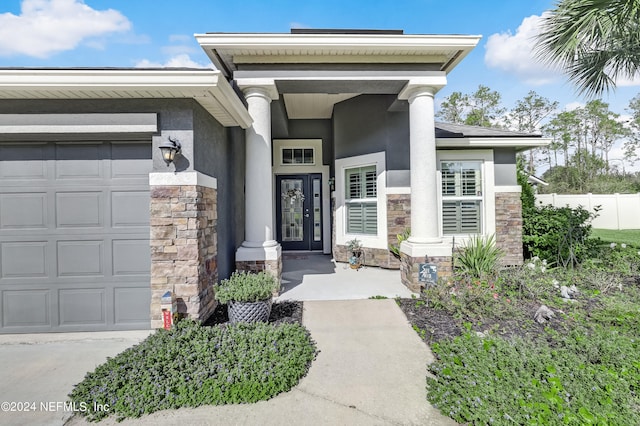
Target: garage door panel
[(131, 257), (78, 161), (26, 308), (82, 306), (23, 162), (130, 208), (23, 211), (80, 258), (132, 305), (24, 259), (74, 236), (79, 209)]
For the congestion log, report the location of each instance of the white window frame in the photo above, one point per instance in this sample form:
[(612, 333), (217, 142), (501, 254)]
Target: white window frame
[(363, 200), (477, 198), (281, 156), (488, 206), (341, 166)]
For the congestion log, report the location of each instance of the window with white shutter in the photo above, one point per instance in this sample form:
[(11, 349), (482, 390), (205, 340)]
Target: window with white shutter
[(462, 197), (361, 201)]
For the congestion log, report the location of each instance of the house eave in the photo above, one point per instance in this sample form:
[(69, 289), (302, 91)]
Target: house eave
[(520, 144), (228, 49), (207, 87)]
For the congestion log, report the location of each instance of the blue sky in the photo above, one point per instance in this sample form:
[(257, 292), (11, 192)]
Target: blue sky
[(130, 33)]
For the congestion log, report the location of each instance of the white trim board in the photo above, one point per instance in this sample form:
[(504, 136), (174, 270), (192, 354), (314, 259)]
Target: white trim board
[(183, 178)]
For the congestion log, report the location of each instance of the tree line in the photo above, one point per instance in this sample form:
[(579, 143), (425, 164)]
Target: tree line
[(578, 158)]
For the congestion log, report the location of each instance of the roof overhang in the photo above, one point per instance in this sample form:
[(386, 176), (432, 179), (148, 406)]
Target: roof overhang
[(228, 50), (208, 87), (520, 143)]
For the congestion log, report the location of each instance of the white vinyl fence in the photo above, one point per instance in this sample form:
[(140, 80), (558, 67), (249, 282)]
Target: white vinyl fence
[(618, 211)]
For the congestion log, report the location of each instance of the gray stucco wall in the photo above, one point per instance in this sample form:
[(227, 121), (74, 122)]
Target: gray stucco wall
[(219, 152), (364, 124), (505, 166), (207, 147)]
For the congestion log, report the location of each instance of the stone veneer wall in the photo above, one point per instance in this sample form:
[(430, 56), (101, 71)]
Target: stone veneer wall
[(274, 267), (398, 219), (183, 249), (410, 268), (509, 226)]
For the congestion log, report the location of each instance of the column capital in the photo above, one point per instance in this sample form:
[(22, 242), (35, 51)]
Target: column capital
[(422, 86), (265, 87)]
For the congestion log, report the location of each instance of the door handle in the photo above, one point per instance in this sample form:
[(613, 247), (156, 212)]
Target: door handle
[(306, 215)]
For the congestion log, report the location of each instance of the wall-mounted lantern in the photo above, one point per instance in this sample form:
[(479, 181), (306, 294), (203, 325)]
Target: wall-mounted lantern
[(332, 184), (169, 149)]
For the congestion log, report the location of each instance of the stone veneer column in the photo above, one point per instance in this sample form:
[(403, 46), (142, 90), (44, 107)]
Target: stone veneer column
[(183, 243), (260, 251), (509, 225), (425, 243)]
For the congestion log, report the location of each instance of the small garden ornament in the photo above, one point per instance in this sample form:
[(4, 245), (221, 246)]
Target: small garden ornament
[(355, 247)]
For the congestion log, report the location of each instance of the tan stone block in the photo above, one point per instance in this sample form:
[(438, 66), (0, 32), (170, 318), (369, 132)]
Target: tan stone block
[(158, 280), (161, 221), (188, 268), (160, 191), (170, 249), (187, 252), (162, 268), (163, 257), (186, 290), (158, 210), (163, 232)]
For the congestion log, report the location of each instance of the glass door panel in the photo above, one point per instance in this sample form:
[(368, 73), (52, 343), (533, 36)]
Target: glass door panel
[(292, 211)]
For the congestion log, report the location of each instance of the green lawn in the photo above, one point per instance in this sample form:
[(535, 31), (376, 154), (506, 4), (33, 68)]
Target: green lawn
[(626, 236)]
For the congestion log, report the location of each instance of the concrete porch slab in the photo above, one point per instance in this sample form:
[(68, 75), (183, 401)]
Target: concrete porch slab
[(310, 276)]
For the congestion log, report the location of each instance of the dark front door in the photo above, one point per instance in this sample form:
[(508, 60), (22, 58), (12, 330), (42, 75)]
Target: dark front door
[(299, 211)]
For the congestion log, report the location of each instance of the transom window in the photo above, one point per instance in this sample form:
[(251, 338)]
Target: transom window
[(462, 197), (361, 200), (298, 156)]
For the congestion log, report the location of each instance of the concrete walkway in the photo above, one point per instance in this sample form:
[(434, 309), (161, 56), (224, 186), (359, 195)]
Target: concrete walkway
[(319, 277), (371, 370)]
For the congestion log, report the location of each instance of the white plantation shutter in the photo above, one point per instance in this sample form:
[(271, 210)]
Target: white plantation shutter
[(361, 200), (462, 197)]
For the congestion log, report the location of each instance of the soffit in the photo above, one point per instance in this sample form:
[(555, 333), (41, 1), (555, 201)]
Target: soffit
[(227, 50), (313, 105), (209, 88)]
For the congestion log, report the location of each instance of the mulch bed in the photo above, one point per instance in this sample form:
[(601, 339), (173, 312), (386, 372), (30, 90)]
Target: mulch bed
[(439, 324), (281, 312)]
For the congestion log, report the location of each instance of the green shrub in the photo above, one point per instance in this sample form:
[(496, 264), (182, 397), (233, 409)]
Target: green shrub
[(479, 258), (395, 248), (534, 280), (583, 380), (558, 234), (192, 365), (246, 287)]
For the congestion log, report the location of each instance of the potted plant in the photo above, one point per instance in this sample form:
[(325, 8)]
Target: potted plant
[(248, 296), (355, 247)]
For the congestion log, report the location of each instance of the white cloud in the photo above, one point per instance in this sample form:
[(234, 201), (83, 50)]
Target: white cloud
[(178, 61), (297, 25), (47, 27), (180, 38), (513, 53), (623, 81), (572, 106)]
